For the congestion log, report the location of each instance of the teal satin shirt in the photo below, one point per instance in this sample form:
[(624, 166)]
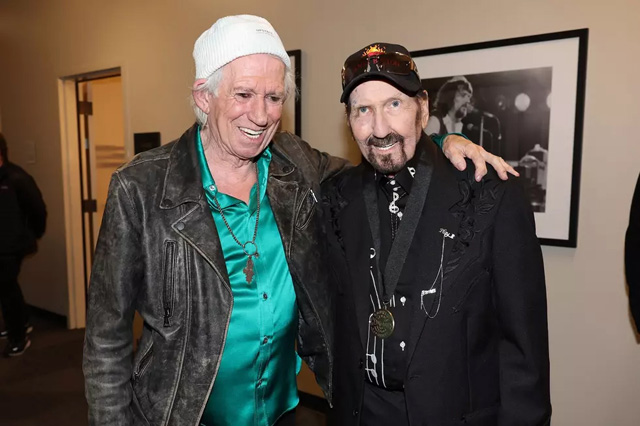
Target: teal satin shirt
[(256, 381)]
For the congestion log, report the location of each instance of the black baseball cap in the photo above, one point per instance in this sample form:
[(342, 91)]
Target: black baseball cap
[(380, 61)]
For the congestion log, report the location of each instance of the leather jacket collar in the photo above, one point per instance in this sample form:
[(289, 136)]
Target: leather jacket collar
[(183, 180)]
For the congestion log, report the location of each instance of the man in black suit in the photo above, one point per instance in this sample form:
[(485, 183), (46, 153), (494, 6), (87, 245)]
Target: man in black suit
[(441, 303)]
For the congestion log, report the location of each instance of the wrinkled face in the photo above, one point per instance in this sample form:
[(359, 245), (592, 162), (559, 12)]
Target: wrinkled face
[(461, 102), (245, 114), (386, 124)]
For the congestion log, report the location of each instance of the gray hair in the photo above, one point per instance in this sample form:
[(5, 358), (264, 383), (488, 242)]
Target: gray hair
[(213, 83)]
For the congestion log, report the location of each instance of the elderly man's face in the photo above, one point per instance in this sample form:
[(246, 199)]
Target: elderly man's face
[(245, 114), (386, 124)]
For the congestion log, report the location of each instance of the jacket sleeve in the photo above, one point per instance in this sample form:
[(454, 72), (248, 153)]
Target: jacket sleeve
[(326, 165), (32, 204), (115, 277), (632, 256), (439, 139), (520, 298)]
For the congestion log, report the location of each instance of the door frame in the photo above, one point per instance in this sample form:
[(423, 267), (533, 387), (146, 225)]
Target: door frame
[(72, 188)]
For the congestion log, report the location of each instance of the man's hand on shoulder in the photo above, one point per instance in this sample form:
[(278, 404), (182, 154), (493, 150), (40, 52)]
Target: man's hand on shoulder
[(456, 148)]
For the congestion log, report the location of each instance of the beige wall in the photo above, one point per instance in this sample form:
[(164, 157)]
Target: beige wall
[(594, 353)]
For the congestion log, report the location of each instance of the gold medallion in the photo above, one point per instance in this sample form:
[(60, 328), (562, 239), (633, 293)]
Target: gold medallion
[(382, 323)]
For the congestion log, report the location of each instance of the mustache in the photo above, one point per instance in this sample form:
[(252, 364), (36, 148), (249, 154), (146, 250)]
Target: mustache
[(390, 139)]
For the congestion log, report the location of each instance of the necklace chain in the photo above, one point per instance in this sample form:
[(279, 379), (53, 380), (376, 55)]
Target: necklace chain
[(255, 230)]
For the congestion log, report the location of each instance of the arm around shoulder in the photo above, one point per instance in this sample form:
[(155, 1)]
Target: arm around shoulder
[(325, 165)]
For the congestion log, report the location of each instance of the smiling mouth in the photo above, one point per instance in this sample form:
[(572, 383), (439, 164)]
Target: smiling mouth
[(252, 134), (385, 143), (386, 146)]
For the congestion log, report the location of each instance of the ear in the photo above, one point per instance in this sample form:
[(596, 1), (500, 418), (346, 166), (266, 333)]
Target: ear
[(201, 97), (424, 109)]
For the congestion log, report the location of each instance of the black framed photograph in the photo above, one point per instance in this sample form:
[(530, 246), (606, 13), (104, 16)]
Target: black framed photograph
[(292, 110), (522, 99)]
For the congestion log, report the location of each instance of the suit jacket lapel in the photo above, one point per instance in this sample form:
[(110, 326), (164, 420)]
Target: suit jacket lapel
[(415, 205)]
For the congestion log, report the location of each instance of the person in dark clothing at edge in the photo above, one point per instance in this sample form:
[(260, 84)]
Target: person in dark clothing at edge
[(632, 256), (23, 217), (441, 315)]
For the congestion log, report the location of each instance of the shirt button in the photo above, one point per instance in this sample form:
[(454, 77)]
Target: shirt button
[(212, 187), (264, 296), (361, 364), (259, 382), (355, 413), (180, 226), (265, 340)]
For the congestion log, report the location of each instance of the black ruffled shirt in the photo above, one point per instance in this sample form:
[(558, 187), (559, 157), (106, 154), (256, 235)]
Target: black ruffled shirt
[(386, 359)]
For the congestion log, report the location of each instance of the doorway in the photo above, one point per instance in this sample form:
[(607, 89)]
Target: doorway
[(94, 146)]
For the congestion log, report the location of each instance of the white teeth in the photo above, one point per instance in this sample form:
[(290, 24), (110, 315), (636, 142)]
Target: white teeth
[(386, 147), (253, 134)]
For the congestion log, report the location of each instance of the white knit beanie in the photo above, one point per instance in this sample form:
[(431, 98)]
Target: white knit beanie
[(232, 37)]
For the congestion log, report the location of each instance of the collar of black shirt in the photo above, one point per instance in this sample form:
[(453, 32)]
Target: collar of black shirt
[(404, 177)]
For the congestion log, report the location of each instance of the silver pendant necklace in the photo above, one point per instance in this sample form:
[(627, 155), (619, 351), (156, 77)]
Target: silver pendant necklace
[(249, 248)]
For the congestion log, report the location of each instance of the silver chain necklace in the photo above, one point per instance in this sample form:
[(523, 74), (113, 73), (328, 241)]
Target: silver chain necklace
[(249, 248)]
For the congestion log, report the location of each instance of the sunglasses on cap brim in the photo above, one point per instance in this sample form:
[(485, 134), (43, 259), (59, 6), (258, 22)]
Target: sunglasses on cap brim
[(389, 62)]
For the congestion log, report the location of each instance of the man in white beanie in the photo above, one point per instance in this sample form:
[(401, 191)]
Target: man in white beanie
[(213, 239)]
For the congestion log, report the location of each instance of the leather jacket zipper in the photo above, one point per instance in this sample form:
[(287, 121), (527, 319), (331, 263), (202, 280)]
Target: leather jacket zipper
[(144, 362), (167, 293)]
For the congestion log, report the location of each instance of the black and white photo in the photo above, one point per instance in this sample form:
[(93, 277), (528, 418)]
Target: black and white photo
[(506, 112), (523, 99)]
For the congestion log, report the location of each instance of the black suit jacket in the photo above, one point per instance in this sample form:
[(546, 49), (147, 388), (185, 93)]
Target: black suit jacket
[(483, 360)]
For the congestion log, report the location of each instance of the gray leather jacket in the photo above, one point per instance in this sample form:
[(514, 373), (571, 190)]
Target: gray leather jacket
[(158, 253)]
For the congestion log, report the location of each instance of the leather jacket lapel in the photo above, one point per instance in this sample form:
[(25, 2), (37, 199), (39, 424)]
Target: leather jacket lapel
[(183, 181), (199, 230), (183, 186), (282, 190)]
